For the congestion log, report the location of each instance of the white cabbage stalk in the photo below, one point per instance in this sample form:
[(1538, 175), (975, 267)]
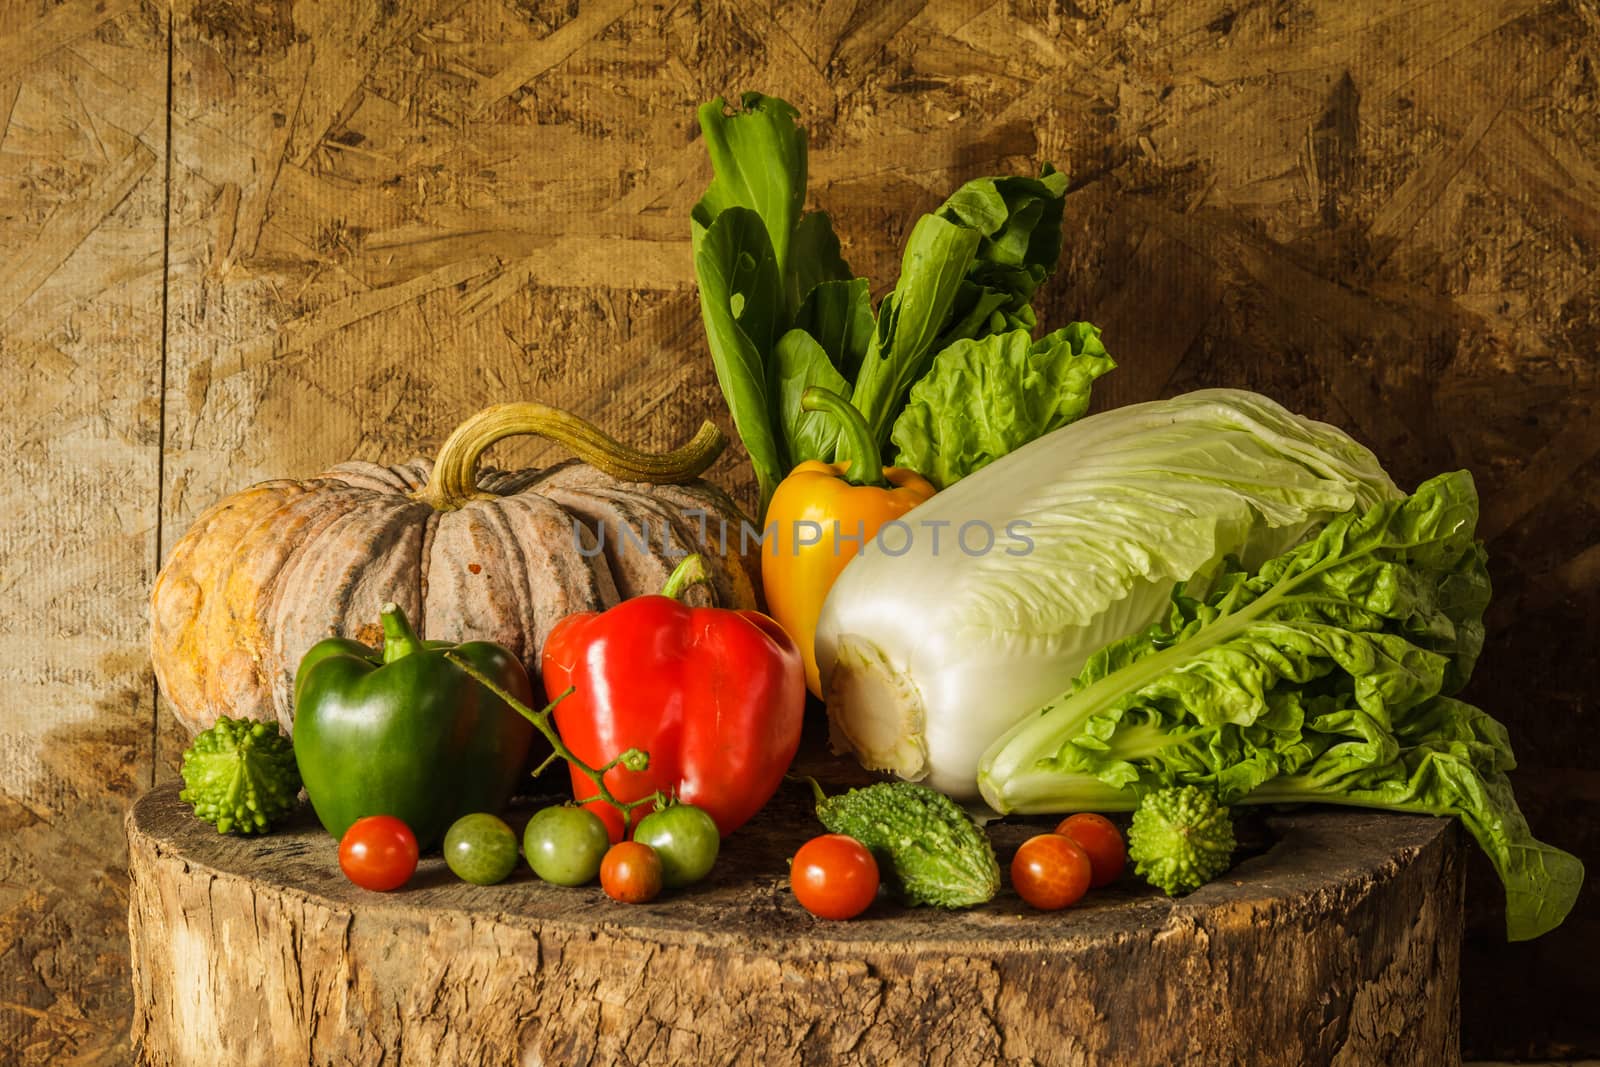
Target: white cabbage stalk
[(928, 656)]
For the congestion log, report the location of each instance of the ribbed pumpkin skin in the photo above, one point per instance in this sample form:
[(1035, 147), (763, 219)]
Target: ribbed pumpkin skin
[(266, 573)]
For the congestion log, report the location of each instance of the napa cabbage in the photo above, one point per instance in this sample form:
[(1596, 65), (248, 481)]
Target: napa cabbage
[(986, 601), (1327, 674)]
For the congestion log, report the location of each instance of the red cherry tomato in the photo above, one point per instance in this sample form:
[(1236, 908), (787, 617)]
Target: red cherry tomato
[(1100, 838), (1050, 871), (631, 872), (834, 877), (378, 853)]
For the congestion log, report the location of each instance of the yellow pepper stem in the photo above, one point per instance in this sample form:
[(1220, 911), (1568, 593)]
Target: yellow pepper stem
[(857, 449)]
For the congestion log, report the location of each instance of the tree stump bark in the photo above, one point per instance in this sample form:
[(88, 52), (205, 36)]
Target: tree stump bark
[(1335, 940)]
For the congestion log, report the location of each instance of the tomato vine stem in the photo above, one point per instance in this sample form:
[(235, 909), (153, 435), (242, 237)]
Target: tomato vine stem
[(633, 759)]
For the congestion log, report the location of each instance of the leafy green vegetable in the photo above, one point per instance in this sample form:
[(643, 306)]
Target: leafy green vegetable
[(802, 363), (782, 311), (1324, 676), (1020, 220), (1451, 761), (756, 258), (839, 315), (240, 775), (1181, 838), (739, 293), (970, 270), (985, 398), (933, 653), (758, 156), (913, 318), (929, 851)]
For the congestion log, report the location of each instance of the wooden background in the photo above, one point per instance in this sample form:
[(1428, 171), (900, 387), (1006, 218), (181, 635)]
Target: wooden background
[(246, 238)]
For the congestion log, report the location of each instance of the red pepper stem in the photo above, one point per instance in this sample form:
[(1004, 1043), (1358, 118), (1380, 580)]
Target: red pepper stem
[(690, 572), (633, 759), (399, 639), (857, 448)]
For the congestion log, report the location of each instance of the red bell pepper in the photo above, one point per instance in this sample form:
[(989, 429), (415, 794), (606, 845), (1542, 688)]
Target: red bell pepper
[(714, 696)]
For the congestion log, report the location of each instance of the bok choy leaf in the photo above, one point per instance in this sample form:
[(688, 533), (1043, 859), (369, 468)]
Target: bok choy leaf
[(970, 270), (802, 363), (740, 290), (757, 257), (782, 310)]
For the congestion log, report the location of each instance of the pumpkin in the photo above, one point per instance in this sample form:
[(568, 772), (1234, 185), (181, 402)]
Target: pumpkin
[(469, 554)]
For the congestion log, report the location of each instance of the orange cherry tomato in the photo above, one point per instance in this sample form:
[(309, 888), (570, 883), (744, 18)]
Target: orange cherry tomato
[(1100, 838), (834, 877), (631, 872), (378, 852), (1050, 871)]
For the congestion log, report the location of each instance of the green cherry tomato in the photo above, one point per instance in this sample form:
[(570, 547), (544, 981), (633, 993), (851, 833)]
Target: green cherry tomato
[(565, 844), (687, 840), (481, 849)]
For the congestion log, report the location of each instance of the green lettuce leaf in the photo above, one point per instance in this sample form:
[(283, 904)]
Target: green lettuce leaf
[(1321, 677), (985, 398), (1457, 769)]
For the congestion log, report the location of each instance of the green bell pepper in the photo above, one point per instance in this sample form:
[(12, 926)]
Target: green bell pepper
[(405, 732)]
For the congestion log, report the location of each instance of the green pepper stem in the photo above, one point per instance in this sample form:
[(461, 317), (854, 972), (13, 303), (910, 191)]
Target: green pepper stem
[(399, 639), (633, 759), (856, 446), (690, 572)]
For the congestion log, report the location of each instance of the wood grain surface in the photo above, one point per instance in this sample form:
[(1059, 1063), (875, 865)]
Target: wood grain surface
[(371, 218), (259, 952), (82, 209)]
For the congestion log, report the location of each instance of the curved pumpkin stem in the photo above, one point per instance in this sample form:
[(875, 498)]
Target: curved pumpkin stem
[(455, 473)]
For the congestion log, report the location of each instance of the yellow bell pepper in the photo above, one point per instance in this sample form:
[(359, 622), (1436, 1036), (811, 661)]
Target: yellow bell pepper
[(820, 517)]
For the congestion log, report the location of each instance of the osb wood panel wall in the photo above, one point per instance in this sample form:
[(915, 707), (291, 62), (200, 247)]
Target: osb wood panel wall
[(82, 206), (247, 239)]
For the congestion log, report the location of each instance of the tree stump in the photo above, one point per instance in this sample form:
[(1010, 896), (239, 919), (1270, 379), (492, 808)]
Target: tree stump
[(1334, 940)]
